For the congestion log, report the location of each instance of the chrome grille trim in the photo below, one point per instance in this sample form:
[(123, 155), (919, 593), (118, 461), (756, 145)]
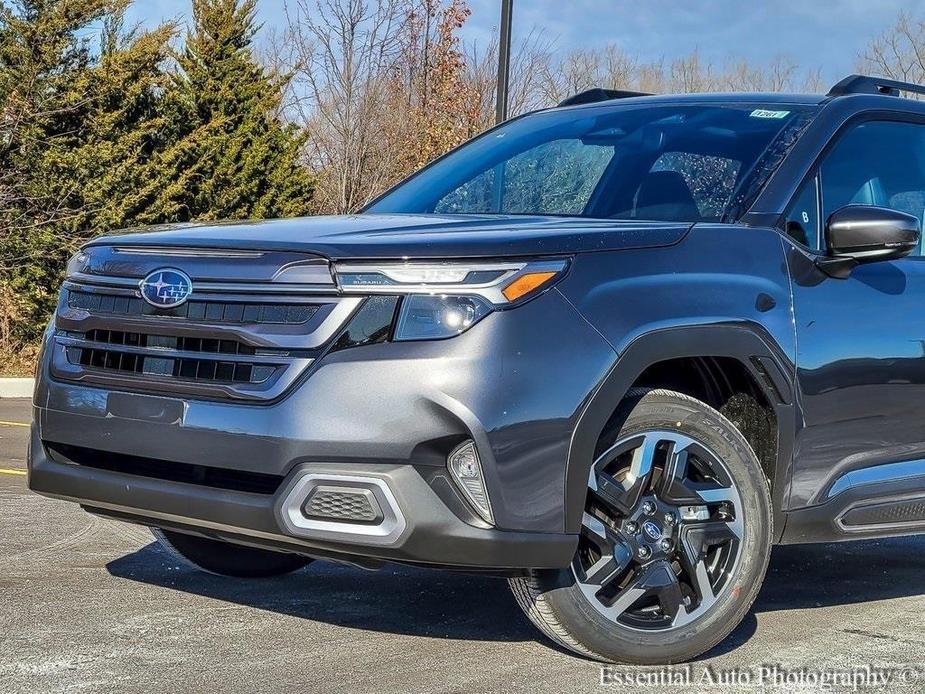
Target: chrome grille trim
[(172, 252), (83, 350), (200, 287), (334, 311)]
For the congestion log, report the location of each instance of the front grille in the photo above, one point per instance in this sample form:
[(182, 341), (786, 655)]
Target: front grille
[(190, 369), (181, 343), (220, 478), (248, 339), (207, 311), (155, 355)]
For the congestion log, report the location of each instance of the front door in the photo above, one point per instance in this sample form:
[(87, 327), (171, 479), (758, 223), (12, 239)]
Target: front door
[(861, 340)]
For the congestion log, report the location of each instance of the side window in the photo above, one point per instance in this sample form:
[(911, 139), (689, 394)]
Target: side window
[(556, 177), (876, 163), (802, 219)]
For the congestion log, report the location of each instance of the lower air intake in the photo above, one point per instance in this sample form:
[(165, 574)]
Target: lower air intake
[(355, 505)]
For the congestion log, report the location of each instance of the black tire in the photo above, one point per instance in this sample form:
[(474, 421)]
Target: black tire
[(227, 559), (555, 602)]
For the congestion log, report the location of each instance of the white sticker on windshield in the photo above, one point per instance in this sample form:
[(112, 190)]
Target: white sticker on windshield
[(764, 113)]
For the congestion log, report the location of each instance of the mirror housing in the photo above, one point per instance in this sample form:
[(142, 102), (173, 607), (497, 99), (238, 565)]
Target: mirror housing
[(858, 234)]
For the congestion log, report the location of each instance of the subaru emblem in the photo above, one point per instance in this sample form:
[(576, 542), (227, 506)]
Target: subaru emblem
[(652, 530), (166, 288)]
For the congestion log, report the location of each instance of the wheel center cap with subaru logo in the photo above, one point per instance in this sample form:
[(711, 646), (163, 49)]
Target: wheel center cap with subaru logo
[(166, 288), (652, 530)]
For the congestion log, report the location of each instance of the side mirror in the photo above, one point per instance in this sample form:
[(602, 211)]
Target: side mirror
[(858, 234)]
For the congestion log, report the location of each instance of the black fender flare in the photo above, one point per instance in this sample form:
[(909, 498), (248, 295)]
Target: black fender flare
[(750, 344)]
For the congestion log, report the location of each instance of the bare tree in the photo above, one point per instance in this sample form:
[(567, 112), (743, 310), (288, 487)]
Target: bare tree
[(432, 106), (742, 76), (531, 58), (575, 72), (690, 74), (898, 53), (650, 77), (813, 82), (382, 87), (614, 68), (620, 69), (340, 52)]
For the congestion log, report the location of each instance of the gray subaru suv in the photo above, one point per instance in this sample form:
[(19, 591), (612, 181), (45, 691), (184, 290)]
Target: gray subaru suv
[(611, 351)]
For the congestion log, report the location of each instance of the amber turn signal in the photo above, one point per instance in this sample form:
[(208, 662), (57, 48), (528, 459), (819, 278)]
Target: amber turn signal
[(525, 284)]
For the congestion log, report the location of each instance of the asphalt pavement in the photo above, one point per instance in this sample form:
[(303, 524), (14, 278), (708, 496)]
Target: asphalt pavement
[(91, 605)]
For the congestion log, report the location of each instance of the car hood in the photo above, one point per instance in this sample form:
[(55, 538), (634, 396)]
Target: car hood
[(370, 236)]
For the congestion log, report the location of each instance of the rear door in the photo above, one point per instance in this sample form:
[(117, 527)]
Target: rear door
[(860, 340)]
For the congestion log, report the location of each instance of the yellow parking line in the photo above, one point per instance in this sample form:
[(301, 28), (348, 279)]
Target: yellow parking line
[(13, 424), (12, 471)]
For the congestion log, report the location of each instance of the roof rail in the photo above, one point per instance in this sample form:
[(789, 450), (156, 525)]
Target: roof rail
[(862, 84), (591, 96)]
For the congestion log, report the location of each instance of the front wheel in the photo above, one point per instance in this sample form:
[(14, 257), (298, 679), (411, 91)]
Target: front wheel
[(227, 559), (674, 543)]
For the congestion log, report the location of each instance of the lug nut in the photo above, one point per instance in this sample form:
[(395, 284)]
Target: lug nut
[(670, 519), (632, 528), (648, 508), (644, 552), (665, 544)]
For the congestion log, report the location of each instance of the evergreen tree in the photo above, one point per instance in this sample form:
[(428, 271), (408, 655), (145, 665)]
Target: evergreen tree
[(80, 125), (238, 159), (100, 132)]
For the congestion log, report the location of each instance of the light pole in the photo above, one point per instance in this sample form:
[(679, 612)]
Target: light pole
[(504, 60)]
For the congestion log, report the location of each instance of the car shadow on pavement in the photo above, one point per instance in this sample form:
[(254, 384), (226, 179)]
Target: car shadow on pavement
[(397, 599), (422, 602)]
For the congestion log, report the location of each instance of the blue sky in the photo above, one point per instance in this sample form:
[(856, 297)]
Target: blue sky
[(816, 33)]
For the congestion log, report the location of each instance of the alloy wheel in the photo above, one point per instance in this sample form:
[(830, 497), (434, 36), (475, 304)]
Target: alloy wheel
[(661, 531)]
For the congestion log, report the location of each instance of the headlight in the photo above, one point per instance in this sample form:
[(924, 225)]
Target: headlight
[(445, 299), (424, 317)]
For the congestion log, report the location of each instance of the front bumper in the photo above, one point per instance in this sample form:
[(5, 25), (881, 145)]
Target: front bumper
[(390, 412), (432, 534)]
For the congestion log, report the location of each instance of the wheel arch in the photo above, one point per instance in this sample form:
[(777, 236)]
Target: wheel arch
[(747, 349)]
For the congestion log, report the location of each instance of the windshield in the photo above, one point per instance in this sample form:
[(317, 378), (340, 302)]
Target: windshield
[(689, 163)]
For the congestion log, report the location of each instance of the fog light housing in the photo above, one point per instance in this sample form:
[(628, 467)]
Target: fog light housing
[(466, 470)]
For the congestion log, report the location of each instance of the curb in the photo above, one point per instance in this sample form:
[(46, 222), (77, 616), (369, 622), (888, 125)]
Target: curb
[(16, 387)]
